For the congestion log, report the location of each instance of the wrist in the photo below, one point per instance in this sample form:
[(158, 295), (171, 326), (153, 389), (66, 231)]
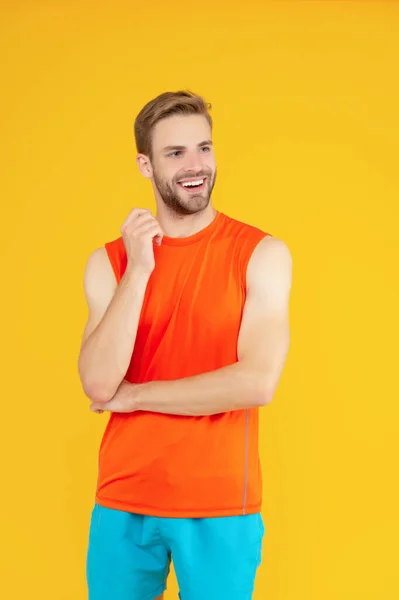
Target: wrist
[(137, 396), (135, 275), (136, 272)]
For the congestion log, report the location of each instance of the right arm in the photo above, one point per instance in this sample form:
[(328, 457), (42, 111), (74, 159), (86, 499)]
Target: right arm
[(114, 310), (111, 329)]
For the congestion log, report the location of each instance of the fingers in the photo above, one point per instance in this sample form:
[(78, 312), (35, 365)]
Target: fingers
[(113, 405), (142, 221), (152, 229), (95, 408), (134, 214)]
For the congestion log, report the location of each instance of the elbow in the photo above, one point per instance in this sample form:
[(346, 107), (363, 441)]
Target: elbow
[(264, 393), (259, 388), (95, 390), (264, 398), (96, 393)]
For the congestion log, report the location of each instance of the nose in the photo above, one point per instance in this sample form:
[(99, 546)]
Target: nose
[(194, 162)]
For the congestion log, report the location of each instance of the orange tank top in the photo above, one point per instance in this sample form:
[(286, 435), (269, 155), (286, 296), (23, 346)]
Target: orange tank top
[(178, 466)]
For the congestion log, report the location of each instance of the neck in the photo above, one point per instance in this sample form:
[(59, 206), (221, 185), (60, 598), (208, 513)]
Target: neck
[(176, 226)]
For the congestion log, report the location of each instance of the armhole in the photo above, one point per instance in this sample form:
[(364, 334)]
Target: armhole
[(114, 265), (247, 258)]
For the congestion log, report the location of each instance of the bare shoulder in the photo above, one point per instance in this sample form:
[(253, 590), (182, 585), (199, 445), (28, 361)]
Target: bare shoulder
[(271, 261), (99, 287), (99, 276)]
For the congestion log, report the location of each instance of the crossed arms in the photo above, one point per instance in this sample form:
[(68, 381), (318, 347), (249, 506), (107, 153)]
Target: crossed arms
[(263, 345)]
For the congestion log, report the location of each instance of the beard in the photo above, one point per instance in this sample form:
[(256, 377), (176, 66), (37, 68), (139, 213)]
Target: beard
[(181, 202)]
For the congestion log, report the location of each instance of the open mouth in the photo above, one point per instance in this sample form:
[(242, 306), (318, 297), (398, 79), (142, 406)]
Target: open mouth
[(193, 186)]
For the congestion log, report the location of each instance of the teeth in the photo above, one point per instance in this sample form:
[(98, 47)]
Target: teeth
[(191, 183)]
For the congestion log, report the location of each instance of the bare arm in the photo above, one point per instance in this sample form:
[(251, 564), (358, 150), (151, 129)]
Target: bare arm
[(110, 333), (262, 349)]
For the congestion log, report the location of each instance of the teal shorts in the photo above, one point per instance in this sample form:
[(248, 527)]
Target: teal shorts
[(214, 558)]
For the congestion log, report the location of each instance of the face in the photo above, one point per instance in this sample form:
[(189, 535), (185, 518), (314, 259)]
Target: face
[(183, 169)]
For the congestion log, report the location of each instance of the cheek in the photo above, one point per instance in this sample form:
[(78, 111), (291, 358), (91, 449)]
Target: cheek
[(169, 175), (211, 165), (166, 177)]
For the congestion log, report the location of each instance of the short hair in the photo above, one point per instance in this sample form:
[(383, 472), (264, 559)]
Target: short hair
[(183, 102)]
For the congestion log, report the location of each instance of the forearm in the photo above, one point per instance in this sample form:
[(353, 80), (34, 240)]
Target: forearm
[(230, 388), (106, 354)]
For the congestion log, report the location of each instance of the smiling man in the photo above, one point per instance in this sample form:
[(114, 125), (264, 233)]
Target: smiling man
[(186, 340)]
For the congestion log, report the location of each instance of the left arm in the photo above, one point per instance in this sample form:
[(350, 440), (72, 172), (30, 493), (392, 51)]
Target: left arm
[(262, 349)]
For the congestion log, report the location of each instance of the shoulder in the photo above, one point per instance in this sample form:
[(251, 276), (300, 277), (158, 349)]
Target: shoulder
[(270, 263), (242, 239), (98, 272), (115, 246), (241, 229), (106, 262), (271, 248), (116, 252), (97, 260)]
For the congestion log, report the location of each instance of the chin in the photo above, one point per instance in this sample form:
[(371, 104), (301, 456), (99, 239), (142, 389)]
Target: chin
[(195, 204)]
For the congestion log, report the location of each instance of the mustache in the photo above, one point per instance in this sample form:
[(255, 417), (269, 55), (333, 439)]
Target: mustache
[(193, 175)]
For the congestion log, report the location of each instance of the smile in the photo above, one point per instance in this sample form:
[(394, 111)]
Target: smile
[(193, 185)]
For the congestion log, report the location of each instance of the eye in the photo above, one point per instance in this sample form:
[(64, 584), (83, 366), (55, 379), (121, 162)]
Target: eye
[(207, 148), (175, 153)]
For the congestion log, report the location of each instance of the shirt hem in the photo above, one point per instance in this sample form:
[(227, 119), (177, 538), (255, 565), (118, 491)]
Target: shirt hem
[(188, 514)]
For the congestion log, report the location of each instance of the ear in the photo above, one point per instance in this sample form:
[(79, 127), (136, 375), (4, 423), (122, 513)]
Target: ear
[(144, 165)]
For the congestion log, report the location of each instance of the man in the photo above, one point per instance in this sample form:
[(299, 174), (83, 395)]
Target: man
[(186, 339)]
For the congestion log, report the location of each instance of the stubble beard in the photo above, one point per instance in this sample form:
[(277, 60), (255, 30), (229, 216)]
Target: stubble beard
[(178, 202)]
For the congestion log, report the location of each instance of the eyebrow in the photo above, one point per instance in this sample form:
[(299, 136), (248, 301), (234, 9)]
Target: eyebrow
[(170, 148)]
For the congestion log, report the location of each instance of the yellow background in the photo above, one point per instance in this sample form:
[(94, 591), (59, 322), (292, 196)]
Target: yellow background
[(305, 98)]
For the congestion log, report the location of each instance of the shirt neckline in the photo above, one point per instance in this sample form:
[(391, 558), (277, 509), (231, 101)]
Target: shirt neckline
[(195, 237)]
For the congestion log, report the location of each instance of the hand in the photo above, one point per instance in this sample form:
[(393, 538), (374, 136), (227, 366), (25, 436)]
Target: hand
[(139, 230), (123, 401)]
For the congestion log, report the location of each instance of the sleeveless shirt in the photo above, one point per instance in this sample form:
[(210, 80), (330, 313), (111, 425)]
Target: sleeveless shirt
[(186, 466)]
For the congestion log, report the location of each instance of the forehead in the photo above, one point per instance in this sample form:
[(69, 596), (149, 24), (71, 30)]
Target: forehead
[(180, 130)]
